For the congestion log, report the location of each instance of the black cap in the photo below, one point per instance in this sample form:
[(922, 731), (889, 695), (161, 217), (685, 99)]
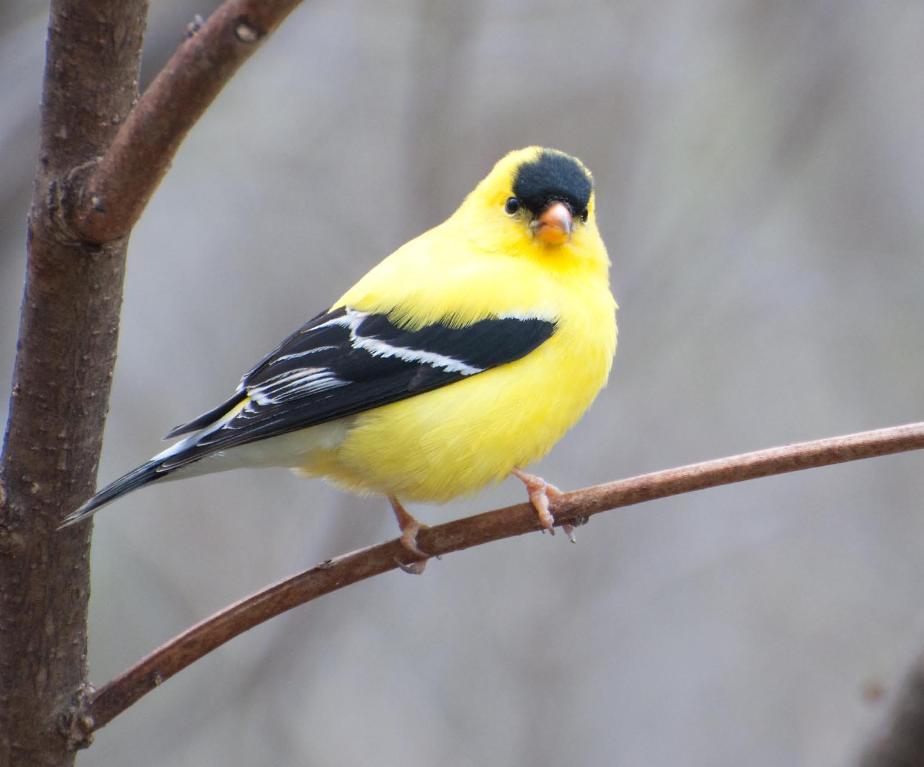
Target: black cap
[(553, 176)]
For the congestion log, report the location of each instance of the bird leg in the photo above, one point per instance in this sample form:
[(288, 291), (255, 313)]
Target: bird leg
[(539, 492), (409, 528)]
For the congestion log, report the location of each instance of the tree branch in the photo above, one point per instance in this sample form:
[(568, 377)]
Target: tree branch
[(115, 190), (100, 160), (65, 352), (573, 508)]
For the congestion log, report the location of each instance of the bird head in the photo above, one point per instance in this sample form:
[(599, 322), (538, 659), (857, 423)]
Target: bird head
[(536, 203)]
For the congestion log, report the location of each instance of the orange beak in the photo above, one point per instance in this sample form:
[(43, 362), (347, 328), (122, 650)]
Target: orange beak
[(554, 225)]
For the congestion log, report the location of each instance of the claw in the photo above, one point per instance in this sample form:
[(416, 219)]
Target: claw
[(409, 529), (539, 492), (414, 568)]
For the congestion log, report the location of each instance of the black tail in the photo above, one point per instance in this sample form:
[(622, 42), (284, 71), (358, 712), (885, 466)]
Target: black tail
[(136, 478), (207, 419)]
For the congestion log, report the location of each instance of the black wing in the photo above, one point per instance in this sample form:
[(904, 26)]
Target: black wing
[(346, 361)]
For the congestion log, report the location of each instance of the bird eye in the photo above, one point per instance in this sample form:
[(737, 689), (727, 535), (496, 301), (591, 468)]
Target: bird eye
[(511, 206), (583, 215)]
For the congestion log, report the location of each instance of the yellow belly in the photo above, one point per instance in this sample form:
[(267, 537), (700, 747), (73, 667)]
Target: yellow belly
[(457, 439)]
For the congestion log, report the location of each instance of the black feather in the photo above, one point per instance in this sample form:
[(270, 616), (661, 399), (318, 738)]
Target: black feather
[(553, 176), (143, 475), (342, 353), (206, 418), (345, 362)]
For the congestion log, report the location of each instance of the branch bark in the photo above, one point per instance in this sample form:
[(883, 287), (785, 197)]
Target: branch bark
[(115, 190), (100, 161), (573, 508), (67, 343)]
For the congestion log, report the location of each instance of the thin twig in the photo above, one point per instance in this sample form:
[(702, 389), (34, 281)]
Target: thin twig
[(573, 508), (111, 197)]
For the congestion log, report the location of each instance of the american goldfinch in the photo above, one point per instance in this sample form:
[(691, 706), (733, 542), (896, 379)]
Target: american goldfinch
[(458, 360)]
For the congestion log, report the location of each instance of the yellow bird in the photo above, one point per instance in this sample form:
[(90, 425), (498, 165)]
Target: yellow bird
[(458, 360)]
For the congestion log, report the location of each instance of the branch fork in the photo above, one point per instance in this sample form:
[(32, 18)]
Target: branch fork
[(107, 198), (96, 203)]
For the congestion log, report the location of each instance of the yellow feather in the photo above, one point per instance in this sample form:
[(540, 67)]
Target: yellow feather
[(482, 262), (477, 264)]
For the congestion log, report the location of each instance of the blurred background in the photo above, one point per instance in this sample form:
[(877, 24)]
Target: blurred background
[(760, 172)]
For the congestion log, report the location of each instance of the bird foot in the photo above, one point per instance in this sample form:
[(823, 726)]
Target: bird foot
[(409, 529), (540, 492)]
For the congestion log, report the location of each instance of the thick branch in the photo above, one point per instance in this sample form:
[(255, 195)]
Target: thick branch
[(65, 351), (100, 161), (111, 198), (574, 508)]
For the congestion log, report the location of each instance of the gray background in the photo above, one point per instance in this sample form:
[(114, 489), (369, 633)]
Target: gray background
[(759, 170)]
